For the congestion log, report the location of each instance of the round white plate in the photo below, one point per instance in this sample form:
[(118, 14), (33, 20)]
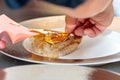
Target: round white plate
[(104, 45), (47, 72), (17, 51)]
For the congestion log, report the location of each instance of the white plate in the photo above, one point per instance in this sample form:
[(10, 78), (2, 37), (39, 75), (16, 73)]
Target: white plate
[(47, 72), (17, 51), (104, 45)]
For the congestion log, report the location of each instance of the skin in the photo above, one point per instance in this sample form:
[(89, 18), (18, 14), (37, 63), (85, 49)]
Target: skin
[(90, 23), (4, 39), (89, 19)]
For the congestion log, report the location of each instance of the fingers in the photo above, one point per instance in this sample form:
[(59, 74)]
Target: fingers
[(89, 29), (79, 31), (82, 27), (2, 44), (91, 32), (4, 39), (71, 23)]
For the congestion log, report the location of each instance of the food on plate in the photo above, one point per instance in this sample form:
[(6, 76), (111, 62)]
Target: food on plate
[(54, 44)]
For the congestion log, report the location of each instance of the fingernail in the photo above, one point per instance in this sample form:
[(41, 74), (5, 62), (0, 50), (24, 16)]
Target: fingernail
[(69, 28), (78, 33), (2, 44), (89, 32), (93, 22)]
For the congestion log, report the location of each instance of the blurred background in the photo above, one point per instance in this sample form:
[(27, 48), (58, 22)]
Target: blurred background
[(35, 9)]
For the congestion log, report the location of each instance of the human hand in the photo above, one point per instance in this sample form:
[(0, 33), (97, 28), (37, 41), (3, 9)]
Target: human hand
[(4, 39), (2, 44), (90, 25)]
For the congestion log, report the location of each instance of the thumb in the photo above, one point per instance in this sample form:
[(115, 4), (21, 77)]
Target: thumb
[(2, 44), (70, 24), (4, 39)]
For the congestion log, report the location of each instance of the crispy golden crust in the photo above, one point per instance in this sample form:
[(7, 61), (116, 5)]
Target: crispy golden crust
[(56, 49)]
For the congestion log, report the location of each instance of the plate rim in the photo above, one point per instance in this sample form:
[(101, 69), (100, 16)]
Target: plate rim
[(55, 63)]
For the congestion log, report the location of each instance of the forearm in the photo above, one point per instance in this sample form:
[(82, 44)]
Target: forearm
[(82, 9), (88, 9)]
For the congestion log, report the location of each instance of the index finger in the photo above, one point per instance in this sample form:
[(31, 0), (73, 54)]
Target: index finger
[(71, 23)]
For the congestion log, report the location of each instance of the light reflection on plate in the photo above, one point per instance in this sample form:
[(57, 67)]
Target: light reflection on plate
[(101, 46), (48, 72)]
